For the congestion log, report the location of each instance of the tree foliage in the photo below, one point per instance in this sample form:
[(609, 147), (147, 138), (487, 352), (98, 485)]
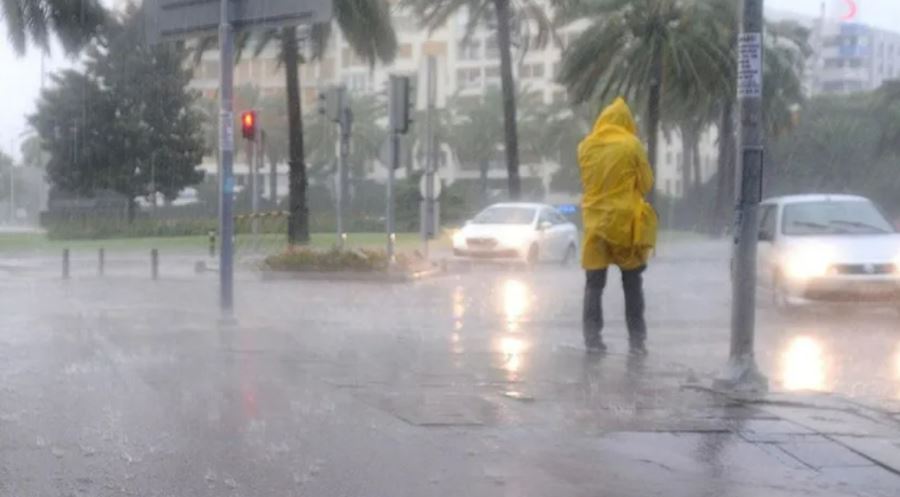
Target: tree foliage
[(127, 123), (73, 22), (835, 149)]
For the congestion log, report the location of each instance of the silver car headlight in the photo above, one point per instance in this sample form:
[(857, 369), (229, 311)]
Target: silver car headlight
[(808, 263)]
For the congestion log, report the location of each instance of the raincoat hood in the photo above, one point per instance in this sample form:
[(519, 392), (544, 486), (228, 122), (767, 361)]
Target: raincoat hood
[(618, 114), (619, 225)]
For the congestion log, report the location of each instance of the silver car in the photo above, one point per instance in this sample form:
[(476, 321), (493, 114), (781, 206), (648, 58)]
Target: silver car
[(828, 248)]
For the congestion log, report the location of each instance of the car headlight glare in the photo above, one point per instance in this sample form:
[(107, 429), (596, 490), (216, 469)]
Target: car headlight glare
[(808, 263), (459, 239)]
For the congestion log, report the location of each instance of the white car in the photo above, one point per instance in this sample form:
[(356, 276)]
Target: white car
[(518, 231), (828, 248)]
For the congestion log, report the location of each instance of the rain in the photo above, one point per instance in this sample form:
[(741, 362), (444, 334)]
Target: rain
[(442, 248)]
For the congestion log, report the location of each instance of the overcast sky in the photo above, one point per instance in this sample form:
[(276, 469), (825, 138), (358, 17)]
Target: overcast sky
[(20, 78)]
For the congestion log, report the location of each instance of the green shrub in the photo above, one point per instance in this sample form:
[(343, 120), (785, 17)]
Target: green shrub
[(310, 260)]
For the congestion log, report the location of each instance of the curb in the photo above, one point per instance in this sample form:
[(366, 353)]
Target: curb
[(349, 276)]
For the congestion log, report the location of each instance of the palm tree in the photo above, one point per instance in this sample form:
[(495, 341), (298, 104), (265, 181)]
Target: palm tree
[(642, 49), (73, 22), (367, 27), (506, 14)]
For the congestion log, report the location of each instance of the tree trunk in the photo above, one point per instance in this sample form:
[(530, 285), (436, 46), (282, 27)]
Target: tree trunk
[(726, 181), (483, 177), (656, 73), (687, 161), (509, 99), (298, 216), (698, 165)]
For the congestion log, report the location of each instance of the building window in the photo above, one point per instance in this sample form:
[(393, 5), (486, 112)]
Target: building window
[(492, 72), (834, 63), (669, 158), (469, 50), (855, 63), (405, 51), (468, 78)]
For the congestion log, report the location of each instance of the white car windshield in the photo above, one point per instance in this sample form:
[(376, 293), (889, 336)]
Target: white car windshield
[(834, 218), (505, 215)]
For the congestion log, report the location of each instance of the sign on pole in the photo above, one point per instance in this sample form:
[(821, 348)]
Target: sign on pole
[(750, 67), (169, 19)]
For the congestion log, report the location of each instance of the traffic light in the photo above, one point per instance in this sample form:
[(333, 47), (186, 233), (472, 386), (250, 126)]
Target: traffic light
[(400, 103), (248, 124)]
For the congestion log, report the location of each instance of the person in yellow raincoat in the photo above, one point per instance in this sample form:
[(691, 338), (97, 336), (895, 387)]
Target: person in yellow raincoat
[(619, 225)]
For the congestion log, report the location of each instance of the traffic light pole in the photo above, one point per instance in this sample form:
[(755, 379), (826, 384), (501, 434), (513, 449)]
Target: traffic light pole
[(742, 373), (226, 157), (251, 181)]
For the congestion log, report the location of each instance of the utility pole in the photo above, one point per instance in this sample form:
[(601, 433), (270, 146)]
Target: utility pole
[(226, 158), (346, 130), (742, 373)]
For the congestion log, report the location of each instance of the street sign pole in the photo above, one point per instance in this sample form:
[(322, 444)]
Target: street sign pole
[(742, 373), (226, 156)]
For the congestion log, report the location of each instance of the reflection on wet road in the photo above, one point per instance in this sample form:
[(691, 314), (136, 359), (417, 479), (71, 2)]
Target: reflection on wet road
[(802, 365)]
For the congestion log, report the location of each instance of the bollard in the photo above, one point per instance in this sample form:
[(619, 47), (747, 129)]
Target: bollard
[(101, 262), (65, 264), (154, 264), (212, 243)]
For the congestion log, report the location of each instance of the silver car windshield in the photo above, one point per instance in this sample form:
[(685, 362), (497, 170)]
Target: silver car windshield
[(505, 215), (834, 218)]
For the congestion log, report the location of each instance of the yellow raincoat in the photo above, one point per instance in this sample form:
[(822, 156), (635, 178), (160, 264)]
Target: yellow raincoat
[(619, 225)]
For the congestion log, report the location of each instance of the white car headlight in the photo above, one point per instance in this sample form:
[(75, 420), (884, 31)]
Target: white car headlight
[(808, 263), (459, 239)]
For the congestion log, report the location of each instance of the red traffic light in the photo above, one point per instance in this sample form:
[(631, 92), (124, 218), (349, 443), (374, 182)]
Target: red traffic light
[(248, 124)]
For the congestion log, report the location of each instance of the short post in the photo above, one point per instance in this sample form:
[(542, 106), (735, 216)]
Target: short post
[(101, 262), (65, 264), (154, 264), (212, 243)]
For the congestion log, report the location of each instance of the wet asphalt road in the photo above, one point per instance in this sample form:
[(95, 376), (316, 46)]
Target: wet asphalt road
[(468, 384)]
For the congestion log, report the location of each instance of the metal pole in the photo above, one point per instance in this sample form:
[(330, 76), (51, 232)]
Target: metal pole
[(742, 372), (428, 221), (65, 264), (395, 159), (154, 264), (345, 126), (251, 183), (101, 262), (226, 156)]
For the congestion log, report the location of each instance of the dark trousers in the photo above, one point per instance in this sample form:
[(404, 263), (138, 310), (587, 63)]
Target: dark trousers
[(632, 283)]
